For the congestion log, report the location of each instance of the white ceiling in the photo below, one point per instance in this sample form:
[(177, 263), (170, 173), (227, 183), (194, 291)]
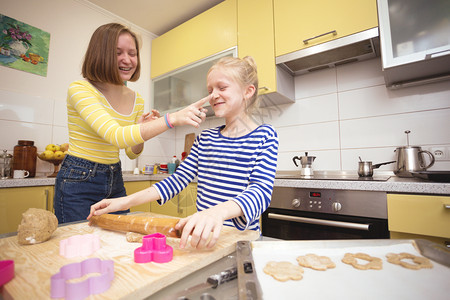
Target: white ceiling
[(156, 16)]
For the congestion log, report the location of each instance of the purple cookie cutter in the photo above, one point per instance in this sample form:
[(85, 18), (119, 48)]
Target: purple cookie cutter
[(60, 288), (154, 248)]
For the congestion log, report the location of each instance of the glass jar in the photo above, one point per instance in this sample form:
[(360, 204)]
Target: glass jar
[(24, 157), (5, 165)]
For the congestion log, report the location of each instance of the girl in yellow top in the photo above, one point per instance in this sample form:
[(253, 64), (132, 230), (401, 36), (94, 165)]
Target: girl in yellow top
[(104, 115)]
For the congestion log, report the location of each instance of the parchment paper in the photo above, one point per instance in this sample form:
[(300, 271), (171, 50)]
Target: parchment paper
[(346, 282)]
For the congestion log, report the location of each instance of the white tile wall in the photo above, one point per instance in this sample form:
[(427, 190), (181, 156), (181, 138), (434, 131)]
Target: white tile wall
[(34, 107), (339, 114), (346, 112)]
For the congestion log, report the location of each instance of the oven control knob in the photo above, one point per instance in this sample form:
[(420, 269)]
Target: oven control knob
[(296, 203), (336, 206)]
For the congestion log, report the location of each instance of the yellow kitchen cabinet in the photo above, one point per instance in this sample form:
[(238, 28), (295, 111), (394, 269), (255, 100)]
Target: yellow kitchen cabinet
[(189, 199), (256, 39), (136, 186), (181, 205), (255, 27), (297, 21), (15, 201), (212, 31), (419, 216)]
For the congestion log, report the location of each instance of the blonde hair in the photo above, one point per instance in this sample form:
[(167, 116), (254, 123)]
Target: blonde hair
[(100, 60), (244, 72)]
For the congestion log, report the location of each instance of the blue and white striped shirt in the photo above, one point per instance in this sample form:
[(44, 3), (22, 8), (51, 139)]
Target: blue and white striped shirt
[(241, 169)]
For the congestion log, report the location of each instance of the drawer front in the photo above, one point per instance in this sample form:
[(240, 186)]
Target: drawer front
[(418, 214)]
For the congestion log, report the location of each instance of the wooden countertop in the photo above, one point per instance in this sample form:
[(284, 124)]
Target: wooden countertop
[(35, 264)]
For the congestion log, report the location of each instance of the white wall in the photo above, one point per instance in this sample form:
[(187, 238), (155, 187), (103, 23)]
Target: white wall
[(346, 112), (33, 107), (339, 113)]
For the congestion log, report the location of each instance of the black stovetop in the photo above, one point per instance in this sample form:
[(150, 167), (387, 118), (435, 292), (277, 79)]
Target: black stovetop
[(320, 175)]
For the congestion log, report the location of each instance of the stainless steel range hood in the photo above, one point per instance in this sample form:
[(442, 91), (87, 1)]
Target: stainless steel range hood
[(356, 47)]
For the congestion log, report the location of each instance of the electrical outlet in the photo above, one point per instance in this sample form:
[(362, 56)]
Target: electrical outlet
[(440, 153)]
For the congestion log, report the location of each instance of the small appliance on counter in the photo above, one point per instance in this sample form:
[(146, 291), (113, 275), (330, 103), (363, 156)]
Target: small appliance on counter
[(365, 168), (410, 159), (306, 162), (5, 165)]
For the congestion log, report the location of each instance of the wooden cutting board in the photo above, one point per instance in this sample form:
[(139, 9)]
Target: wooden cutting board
[(188, 142), (35, 264)]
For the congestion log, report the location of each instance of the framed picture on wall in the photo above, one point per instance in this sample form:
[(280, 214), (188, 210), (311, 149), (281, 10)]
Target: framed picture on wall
[(23, 47)]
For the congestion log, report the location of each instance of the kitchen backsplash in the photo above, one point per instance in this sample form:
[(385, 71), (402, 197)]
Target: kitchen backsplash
[(339, 114), (347, 112)]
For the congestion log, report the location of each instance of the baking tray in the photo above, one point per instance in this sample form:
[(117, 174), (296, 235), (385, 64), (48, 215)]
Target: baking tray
[(392, 282), (437, 176)]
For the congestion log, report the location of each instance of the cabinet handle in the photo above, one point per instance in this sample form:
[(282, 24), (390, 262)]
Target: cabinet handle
[(263, 88), (447, 205), (334, 32), (437, 54), (46, 199), (179, 211)]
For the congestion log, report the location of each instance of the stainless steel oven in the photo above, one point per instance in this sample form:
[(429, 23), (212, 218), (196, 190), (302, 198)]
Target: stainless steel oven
[(324, 214)]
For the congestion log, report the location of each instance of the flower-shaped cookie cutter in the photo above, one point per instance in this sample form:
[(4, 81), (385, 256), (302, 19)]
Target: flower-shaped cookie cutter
[(154, 248), (79, 245), (60, 288)]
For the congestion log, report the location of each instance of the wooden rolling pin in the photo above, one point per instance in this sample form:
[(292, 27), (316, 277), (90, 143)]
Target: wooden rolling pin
[(139, 224)]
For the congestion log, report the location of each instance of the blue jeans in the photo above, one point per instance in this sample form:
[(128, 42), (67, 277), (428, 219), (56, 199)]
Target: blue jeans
[(81, 183)]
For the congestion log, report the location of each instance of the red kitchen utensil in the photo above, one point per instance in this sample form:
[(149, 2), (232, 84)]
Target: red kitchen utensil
[(6, 271), (154, 248)]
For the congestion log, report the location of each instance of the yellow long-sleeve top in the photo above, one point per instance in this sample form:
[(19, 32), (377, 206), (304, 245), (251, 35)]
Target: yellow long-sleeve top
[(96, 130)]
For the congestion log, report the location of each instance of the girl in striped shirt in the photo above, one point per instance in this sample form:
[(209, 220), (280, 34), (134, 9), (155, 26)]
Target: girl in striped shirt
[(235, 163), (104, 115)]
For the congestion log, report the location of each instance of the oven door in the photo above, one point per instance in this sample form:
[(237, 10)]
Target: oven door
[(300, 225)]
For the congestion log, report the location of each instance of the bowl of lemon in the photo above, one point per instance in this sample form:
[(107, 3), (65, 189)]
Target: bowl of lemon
[(54, 154)]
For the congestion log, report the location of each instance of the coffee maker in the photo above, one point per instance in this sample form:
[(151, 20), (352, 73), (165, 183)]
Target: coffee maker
[(306, 162)]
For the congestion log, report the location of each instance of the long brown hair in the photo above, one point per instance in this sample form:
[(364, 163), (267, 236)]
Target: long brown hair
[(100, 61)]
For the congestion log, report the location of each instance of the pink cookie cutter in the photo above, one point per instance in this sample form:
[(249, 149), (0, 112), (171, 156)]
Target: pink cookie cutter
[(154, 248), (6, 271), (79, 245), (60, 288)]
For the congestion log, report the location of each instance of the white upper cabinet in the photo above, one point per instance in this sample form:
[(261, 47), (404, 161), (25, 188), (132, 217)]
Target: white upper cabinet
[(415, 40)]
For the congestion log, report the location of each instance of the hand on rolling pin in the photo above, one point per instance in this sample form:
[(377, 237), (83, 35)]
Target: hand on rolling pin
[(108, 205), (205, 226), (193, 115), (200, 226)]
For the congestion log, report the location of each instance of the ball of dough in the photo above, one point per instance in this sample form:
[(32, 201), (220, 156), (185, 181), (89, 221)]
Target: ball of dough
[(37, 226)]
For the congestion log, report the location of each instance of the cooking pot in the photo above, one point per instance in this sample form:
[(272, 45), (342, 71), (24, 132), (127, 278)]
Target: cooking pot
[(410, 159), (365, 168)]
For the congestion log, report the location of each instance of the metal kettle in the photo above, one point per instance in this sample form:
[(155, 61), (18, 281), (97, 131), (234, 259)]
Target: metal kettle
[(410, 159)]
